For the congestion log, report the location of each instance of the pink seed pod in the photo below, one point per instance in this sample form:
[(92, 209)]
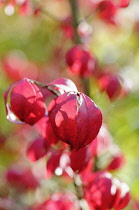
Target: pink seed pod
[(62, 85), (24, 102), (75, 119), (67, 28), (111, 84), (117, 161), (101, 143), (106, 192), (123, 3), (80, 61), (107, 11), (16, 66), (44, 128), (21, 178), (79, 160), (37, 149), (59, 201), (58, 164)]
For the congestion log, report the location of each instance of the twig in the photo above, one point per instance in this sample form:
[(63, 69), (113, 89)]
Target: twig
[(79, 192), (51, 88), (77, 40), (50, 15), (85, 82), (75, 20)]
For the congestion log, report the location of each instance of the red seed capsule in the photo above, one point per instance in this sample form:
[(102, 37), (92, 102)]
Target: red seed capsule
[(80, 61), (59, 201), (37, 149), (26, 102), (111, 84), (106, 192), (75, 119), (107, 11)]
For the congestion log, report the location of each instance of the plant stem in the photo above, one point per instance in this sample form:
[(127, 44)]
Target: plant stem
[(46, 12), (51, 88), (79, 192), (78, 186), (51, 16), (75, 20), (85, 81)]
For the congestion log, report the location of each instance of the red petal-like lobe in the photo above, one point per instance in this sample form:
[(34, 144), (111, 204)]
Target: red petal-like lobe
[(9, 114), (64, 85), (37, 149), (117, 162), (124, 3), (44, 127), (124, 196), (57, 163), (22, 178), (16, 66), (111, 84), (67, 28), (75, 119), (80, 61), (25, 8), (80, 159), (62, 117), (98, 194), (93, 121), (27, 102), (107, 11), (123, 202), (59, 201), (101, 143), (105, 192)]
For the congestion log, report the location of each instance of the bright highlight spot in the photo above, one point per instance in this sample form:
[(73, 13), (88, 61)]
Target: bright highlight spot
[(58, 171), (9, 10)]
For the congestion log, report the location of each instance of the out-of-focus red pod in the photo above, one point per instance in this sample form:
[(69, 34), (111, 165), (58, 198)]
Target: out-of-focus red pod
[(16, 67), (101, 143), (58, 164), (111, 84), (67, 28), (117, 161), (59, 201), (107, 11), (62, 85), (21, 178), (123, 3), (105, 192), (44, 128), (80, 61), (80, 159), (37, 149)]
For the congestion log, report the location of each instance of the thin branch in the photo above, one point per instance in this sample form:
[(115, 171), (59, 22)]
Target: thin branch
[(75, 20), (51, 16), (51, 88), (43, 10), (91, 15), (78, 186), (79, 192), (86, 84)]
